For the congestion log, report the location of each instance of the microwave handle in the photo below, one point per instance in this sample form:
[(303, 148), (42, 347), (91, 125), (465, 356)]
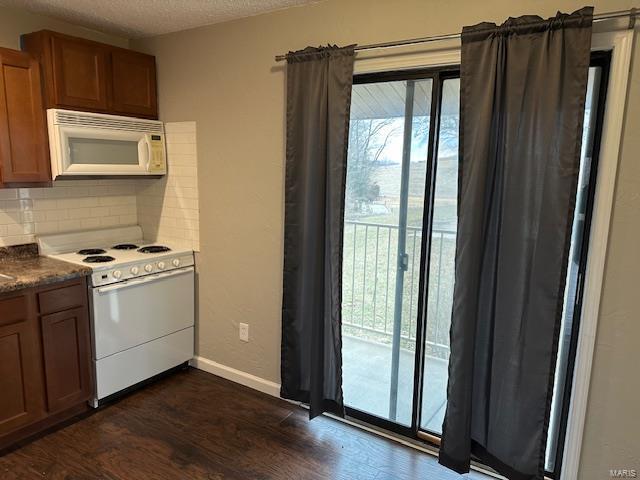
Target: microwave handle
[(147, 152)]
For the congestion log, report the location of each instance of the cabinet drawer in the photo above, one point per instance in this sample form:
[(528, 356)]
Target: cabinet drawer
[(62, 298), (13, 310)]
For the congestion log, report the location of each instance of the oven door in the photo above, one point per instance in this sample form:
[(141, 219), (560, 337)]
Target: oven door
[(140, 310), (101, 151)]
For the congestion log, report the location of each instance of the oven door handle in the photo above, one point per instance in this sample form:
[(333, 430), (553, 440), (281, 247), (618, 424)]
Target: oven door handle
[(143, 280)]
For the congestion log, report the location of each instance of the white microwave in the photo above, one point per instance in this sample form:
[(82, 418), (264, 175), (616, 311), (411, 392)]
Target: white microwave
[(86, 144)]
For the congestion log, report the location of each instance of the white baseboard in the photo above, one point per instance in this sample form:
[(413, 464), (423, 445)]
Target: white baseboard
[(238, 376)]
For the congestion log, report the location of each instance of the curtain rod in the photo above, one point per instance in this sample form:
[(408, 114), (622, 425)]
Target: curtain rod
[(631, 13)]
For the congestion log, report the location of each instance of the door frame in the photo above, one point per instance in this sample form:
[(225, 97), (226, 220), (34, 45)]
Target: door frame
[(619, 43)]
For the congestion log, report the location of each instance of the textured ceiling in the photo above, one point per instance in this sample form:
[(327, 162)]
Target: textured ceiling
[(144, 18)]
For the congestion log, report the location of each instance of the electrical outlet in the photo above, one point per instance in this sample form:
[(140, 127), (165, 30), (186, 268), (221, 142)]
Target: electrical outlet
[(244, 332)]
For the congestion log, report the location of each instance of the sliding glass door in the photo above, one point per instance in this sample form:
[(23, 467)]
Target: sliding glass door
[(385, 196), (441, 261), (399, 250)]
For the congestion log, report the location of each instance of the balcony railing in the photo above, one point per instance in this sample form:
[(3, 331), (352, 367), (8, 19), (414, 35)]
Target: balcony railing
[(370, 262)]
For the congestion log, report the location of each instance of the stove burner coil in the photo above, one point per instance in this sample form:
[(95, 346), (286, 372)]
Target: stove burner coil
[(154, 249), (98, 259), (125, 246), (91, 251)]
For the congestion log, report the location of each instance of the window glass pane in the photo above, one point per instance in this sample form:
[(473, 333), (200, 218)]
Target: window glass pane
[(93, 151), (575, 255), (388, 140), (441, 262)]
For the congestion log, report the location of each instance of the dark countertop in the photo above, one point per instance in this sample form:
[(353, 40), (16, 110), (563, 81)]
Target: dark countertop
[(29, 269)]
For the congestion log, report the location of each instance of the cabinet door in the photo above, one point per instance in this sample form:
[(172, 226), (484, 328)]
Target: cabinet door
[(24, 150), (66, 351), (134, 83), (80, 74), (22, 395)]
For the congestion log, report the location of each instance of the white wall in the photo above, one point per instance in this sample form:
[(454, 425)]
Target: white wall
[(17, 21)]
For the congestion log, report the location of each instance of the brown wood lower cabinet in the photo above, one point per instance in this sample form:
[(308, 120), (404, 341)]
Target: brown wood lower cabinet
[(45, 358), (21, 400), (66, 351)]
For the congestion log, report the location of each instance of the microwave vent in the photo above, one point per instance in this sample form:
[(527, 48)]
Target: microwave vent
[(79, 119)]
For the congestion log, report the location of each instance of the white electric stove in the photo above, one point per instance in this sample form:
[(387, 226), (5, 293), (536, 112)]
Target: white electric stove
[(142, 302)]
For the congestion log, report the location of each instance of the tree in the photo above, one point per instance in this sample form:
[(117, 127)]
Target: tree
[(447, 136), (368, 139)]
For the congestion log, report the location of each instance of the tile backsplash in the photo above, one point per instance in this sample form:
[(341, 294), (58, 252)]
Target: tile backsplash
[(168, 208), (68, 205)]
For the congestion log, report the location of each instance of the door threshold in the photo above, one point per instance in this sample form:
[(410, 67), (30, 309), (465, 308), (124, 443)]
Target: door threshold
[(403, 440)]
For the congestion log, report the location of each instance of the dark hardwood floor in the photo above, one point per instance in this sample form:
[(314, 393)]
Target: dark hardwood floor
[(193, 425)]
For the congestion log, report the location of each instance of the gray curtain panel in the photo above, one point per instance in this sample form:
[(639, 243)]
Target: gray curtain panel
[(318, 101), (523, 88)]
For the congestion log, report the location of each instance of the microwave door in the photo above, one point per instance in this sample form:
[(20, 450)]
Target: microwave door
[(96, 151)]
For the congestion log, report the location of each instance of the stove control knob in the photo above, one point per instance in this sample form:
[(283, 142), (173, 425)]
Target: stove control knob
[(135, 270), (161, 265), (176, 262), (148, 267), (117, 274)]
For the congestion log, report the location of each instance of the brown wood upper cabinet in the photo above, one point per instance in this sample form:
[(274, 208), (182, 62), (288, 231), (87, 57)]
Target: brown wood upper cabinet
[(79, 74), (134, 83), (84, 75), (24, 148)]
